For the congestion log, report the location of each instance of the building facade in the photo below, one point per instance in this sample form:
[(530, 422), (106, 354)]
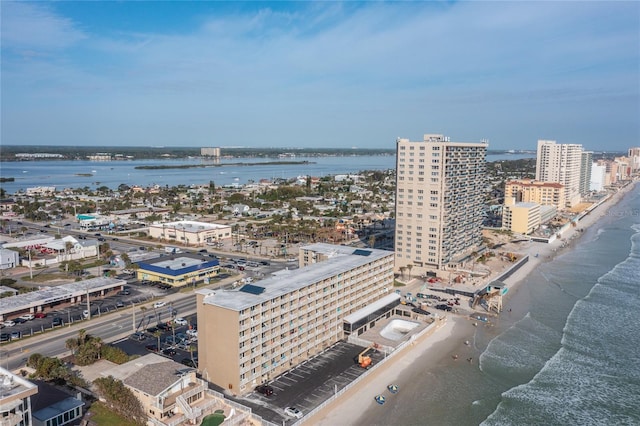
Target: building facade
[(522, 218), (190, 233), (598, 177), (634, 158), (531, 191), (586, 161), (251, 335), (560, 163), (210, 152), (439, 201)]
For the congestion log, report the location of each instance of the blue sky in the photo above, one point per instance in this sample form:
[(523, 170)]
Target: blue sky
[(320, 74)]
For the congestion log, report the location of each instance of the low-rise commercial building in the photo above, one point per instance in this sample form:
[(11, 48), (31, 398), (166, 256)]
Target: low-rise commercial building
[(179, 269), (251, 335), (190, 233)]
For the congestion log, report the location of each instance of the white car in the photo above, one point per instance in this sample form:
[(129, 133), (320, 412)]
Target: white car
[(8, 323), (159, 304), (192, 333), (85, 314), (27, 317), (180, 321), (293, 412)]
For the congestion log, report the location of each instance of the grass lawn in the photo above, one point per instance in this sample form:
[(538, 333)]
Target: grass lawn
[(105, 417)]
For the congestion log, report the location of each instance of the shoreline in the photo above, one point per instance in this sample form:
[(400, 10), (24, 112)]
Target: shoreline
[(357, 406)]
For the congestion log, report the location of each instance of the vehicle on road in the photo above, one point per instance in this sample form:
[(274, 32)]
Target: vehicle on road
[(180, 321), (293, 412), (27, 317), (266, 390), (159, 304)]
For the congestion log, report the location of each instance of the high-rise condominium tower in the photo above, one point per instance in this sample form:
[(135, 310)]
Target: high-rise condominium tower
[(439, 202), (560, 163)]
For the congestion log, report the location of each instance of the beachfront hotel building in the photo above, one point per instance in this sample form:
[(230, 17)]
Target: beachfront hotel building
[(634, 158), (190, 233), (439, 201), (598, 177), (250, 335), (560, 163), (531, 191), (520, 217)]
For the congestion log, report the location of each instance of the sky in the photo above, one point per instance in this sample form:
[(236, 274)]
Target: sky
[(320, 74)]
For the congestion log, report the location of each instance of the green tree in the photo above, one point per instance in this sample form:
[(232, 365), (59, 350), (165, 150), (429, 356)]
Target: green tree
[(120, 399)]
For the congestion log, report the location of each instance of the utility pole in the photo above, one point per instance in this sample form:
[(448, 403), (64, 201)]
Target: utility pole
[(30, 266), (133, 309), (88, 304)]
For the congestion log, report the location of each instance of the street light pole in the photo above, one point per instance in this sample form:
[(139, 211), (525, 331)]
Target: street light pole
[(88, 304)]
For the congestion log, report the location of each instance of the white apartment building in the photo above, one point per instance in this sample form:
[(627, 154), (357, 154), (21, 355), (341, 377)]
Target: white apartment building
[(598, 177), (15, 399), (251, 335), (439, 201), (560, 163), (189, 232), (634, 158)]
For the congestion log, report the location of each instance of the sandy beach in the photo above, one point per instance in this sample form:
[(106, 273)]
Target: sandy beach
[(357, 405)]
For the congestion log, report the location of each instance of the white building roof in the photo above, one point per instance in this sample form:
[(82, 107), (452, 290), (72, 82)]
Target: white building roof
[(342, 258)]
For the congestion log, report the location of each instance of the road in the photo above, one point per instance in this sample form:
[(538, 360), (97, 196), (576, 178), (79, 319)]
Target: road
[(109, 327)]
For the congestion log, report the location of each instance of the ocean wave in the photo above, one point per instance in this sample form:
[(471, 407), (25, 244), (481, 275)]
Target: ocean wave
[(594, 378)]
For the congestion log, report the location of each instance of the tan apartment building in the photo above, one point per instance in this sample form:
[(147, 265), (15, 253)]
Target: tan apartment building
[(439, 201), (190, 233), (251, 335), (560, 163), (532, 191), (522, 218)]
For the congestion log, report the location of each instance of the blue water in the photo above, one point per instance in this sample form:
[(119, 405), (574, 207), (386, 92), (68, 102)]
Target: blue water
[(64, 174)]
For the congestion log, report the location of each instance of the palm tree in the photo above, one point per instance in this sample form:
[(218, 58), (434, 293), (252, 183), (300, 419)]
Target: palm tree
[(72, 345), (192, 348), (157, 334)]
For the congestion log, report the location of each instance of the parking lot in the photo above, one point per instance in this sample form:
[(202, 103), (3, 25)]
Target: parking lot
[(310, 384), (174, 342)]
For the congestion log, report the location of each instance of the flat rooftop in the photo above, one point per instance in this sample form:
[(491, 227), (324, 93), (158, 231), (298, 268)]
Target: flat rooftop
[(191, 226), (342, 258)]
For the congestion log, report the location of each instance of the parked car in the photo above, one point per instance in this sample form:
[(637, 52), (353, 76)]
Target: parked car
[(180, 321), (159, 304), (40, 315), (266, 390), (124, 292), (293, 412), (56, 322), (119, 304), (169, 351), (152, 348), (139, 336), (189, 362), (85, 314), (16, 335), (27, 317), (192, 333), (5, 337), (421, 311), (8, 323)]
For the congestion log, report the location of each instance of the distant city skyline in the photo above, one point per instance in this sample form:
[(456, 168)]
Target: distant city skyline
[(320, 74)]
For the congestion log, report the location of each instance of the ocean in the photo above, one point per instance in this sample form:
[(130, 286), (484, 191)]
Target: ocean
[(563, 352), (93, 174)]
